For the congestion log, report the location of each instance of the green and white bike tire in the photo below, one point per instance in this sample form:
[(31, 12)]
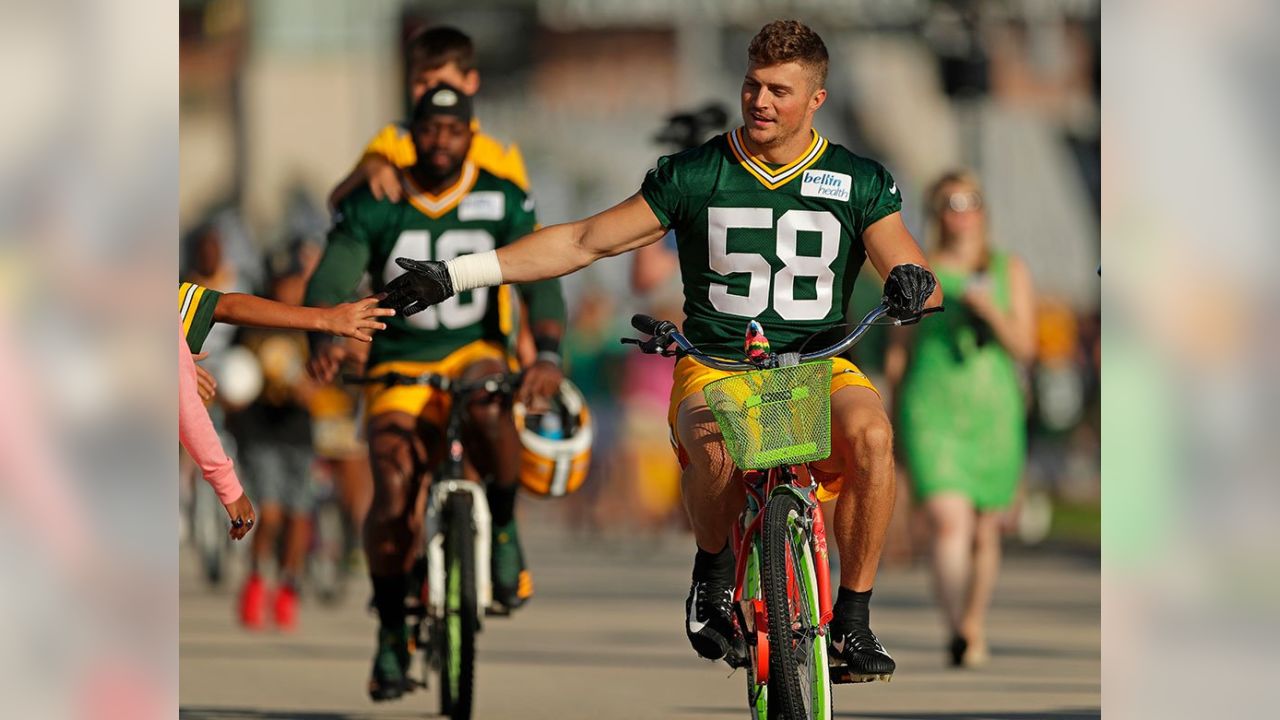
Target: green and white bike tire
[(797, 691), (458, 641)]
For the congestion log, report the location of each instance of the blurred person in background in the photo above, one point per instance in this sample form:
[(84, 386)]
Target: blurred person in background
[(960, 410), (452, 207), (335, 415), (768, 180), (652, 475), (437, 55), (593, 362), (273, 441)]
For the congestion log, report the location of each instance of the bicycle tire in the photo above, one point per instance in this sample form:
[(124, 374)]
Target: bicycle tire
[(796, 691), (459, 625)]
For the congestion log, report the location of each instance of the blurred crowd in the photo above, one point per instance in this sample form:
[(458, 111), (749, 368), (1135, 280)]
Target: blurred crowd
[(1009, 89)]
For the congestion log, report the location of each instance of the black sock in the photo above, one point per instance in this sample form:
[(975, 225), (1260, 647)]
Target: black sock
[(388, 598), (715, 568), (852, 605), (502, 503)]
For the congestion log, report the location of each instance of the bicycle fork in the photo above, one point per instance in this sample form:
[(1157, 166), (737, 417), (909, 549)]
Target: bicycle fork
[(752, 614), (482, 524)]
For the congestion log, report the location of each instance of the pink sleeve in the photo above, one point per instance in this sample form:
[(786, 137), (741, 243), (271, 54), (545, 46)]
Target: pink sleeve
[(196, 433)]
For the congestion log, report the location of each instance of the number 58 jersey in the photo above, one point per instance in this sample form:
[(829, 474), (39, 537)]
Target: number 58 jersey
[(782, 245), (480, 212)]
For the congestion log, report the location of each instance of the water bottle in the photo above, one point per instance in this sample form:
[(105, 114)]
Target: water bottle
[(551, 427)]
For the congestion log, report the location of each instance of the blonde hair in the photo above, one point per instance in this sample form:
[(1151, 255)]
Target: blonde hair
[(958, 176)]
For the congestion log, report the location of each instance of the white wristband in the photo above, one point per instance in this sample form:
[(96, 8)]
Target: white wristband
[(469, 272)]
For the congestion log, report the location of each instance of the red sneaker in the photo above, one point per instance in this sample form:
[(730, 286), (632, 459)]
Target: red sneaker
[(253, 603), (286, 608)]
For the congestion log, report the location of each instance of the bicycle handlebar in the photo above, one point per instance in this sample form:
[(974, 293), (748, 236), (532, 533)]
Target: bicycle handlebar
[(665, 334), (505, 384)]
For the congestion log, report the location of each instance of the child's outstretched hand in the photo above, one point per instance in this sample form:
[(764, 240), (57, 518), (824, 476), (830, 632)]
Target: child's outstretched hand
[(357, 320)]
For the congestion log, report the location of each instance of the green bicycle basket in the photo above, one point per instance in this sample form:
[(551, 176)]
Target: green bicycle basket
[(780, 416)]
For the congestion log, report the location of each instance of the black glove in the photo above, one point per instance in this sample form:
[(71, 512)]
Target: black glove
[(906, 290), (424, 283)]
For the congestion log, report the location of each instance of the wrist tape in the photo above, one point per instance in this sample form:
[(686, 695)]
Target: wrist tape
[(468, 272)]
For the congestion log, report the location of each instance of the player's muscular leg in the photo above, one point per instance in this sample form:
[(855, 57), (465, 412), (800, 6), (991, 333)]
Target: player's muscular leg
[(490, 431), (862, 452), (399, 461), (712, 496)]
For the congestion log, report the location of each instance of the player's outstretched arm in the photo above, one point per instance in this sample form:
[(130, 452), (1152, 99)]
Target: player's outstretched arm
[(561, 249), (550, 252)]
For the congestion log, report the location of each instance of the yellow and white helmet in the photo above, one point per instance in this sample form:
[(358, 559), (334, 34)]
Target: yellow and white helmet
[(557, 443)]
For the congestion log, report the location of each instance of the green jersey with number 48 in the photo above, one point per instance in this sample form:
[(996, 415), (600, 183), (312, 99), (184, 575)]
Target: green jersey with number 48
[(782, 245), (480, 212)]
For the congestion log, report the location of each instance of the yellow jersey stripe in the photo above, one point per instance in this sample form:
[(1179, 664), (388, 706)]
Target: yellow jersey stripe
[(185, 290), (189, 310), (436, 206), (506, 315), (776, 179), (762, 167)]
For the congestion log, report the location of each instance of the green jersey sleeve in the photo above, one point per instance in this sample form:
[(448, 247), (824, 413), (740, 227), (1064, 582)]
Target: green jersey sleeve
[(196, 304), (880, 196), (346, 256), (544, 298), (661, 189)]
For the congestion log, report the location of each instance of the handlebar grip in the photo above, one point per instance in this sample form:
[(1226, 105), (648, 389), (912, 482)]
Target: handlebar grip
[(650, 326), (644, 324)]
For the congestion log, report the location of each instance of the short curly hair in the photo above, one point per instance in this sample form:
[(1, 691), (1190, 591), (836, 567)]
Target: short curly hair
[(783, 41)]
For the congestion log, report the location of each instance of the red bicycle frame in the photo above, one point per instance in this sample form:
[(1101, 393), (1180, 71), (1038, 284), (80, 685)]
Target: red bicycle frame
[(759, 485)]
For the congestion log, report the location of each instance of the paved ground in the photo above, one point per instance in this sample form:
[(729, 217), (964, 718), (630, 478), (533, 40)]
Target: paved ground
[(603, 639)]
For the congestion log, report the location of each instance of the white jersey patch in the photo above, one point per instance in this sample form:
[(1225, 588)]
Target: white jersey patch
[(826, 184), (482, 206)]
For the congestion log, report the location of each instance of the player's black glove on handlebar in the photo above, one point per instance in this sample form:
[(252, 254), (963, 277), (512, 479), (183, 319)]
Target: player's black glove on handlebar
[(424, 283), (907, 289)]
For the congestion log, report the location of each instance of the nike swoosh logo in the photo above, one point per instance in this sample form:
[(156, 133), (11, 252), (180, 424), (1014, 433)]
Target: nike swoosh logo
[(694, 625), (838, 646), (894, 189)]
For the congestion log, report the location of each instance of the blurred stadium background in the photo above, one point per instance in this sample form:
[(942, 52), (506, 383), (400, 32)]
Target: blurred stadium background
[(279, 97)]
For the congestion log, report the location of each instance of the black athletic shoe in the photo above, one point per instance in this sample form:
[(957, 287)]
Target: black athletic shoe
[(854, 645), (958, 647), (710, 624)]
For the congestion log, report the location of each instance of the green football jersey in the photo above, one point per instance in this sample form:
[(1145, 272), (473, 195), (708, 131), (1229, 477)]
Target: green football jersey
[(779, 245), (479, 213)]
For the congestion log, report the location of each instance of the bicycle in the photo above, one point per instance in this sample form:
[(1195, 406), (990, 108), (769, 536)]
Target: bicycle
[(450, 587), (775, 415)]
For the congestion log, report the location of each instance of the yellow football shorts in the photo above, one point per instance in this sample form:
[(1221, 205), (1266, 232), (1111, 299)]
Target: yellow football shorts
[(691, 377), (427, 402)]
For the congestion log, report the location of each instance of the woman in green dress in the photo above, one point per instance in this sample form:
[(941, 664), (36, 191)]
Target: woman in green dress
[(960, 411)]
